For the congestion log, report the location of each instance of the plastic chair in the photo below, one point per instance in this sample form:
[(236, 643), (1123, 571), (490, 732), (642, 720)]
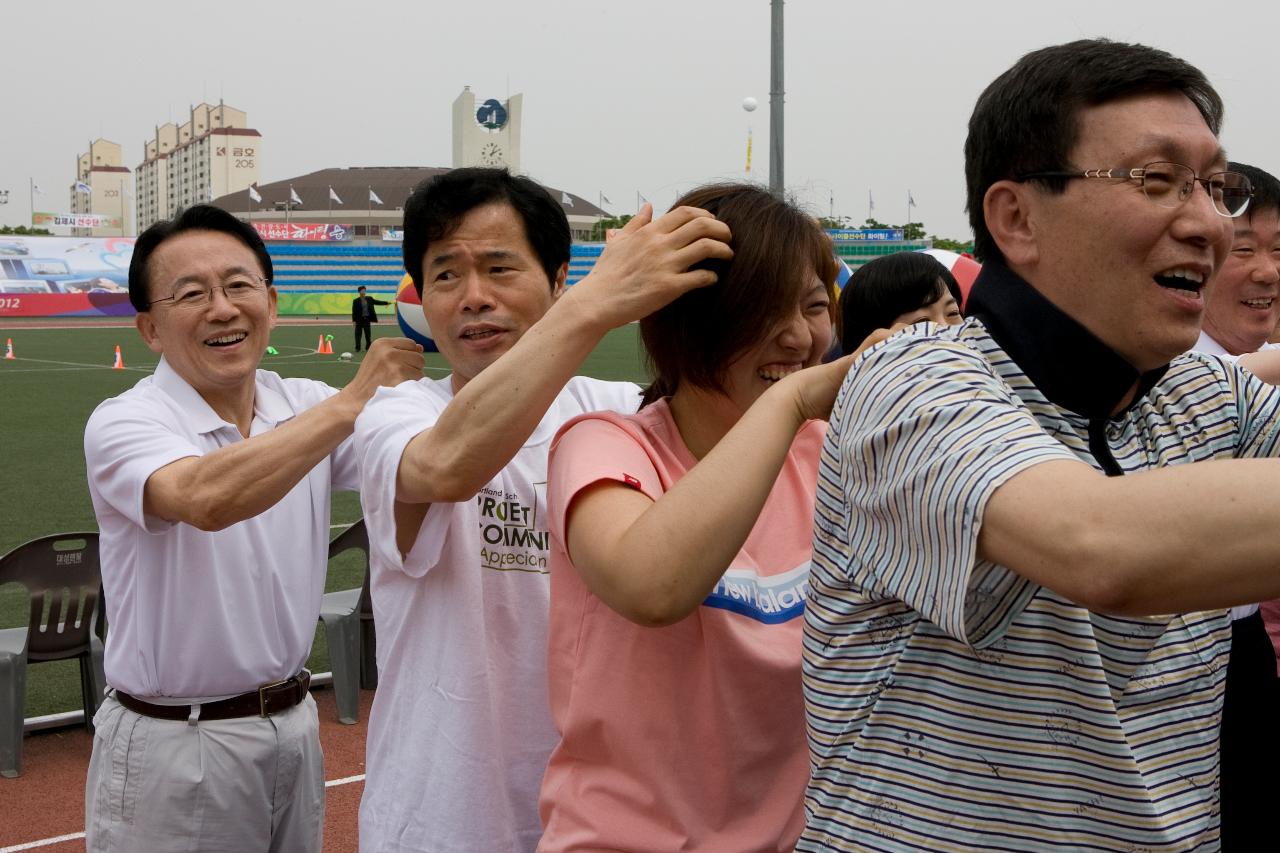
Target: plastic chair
[(348, 629), (61, 574)]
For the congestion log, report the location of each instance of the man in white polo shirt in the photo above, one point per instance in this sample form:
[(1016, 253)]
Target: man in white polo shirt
[(211, 482)]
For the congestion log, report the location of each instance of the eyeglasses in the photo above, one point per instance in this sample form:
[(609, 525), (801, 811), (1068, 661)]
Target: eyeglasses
[(1171, 184), (195, 297)]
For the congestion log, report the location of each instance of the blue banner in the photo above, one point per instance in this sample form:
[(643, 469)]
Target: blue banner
[(864, 235)]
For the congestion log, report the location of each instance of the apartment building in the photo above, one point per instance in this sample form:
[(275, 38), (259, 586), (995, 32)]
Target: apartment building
[(212, 154)]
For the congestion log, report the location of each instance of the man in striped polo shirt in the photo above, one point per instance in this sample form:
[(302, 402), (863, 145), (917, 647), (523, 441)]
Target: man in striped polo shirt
[(1017, 632)]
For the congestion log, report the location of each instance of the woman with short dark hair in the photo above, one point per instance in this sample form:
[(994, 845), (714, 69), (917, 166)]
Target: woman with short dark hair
[(905, 287), (680, 555)]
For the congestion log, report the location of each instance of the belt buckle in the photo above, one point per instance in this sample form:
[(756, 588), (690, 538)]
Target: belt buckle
[(262, 695)]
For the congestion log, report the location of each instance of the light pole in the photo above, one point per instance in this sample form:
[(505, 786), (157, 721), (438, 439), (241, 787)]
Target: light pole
[(775, 101)]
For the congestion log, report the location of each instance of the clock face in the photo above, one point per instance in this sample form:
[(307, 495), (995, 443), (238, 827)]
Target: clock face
[(491, 154)]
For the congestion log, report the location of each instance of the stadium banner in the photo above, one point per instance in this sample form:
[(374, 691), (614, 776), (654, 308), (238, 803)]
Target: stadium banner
[(393, 235), (321, 304), (74, 220), (309, 231), (65, 305), (865, 235), (65, 276)]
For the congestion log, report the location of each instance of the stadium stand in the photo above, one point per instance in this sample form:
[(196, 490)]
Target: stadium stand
[(342, 267)]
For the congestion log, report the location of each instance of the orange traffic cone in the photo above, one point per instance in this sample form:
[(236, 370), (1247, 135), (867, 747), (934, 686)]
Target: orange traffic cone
[(8, 348), (328, 347), (119, 365), (320, 346)]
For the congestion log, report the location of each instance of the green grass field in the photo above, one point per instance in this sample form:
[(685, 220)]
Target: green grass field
[(60, 375)]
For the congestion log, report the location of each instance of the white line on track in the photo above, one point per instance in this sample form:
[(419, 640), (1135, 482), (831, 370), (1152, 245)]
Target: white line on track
[(43, 842), (332, 783), (76, 836)]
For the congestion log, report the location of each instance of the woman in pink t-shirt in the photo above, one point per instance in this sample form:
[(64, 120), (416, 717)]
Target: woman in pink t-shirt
[(680, 557)]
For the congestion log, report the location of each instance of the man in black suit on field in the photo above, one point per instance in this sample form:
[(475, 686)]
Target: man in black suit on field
[(363, 313)]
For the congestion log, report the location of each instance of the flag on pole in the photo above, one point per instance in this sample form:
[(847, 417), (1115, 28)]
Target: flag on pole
[(293, 196), (254, 194), (748, 149), (333, 196), (373, 197), (82, 187), (564, 199), (871, 202), (911, 202)]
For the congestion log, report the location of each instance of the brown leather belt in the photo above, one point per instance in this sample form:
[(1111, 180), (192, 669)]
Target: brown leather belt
[(266, 700)]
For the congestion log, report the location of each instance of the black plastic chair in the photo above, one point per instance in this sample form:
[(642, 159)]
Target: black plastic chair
[(61, 574), (348, 629)]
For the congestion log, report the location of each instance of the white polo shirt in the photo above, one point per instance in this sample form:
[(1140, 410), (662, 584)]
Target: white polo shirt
[(199, 616)]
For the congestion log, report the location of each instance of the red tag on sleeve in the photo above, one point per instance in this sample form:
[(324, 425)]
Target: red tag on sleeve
[(631, 481)]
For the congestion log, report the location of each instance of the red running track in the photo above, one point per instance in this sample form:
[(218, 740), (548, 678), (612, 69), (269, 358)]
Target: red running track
[(47, 800)]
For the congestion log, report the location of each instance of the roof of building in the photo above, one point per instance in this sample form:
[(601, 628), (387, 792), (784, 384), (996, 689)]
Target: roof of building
[(392, 184)]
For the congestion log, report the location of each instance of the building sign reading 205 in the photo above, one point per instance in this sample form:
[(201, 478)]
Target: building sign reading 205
[(243, 156)]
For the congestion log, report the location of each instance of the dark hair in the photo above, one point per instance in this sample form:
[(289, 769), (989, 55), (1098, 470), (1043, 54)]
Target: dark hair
[(360, 288), (1027, 120), (776, 248), (1266, 189), (437, 206), (882, 290), (198, 217)]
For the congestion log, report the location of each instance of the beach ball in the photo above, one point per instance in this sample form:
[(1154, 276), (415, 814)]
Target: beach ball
[(964, 268), (410, 317)]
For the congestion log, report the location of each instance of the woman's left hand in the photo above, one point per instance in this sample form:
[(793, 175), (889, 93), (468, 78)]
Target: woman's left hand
[(816, 387)]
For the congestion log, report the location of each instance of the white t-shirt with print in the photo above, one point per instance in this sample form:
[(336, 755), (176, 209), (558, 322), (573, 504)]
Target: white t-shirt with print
[(460, 730)]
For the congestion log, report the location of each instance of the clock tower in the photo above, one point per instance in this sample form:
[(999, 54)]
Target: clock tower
[(488, 134)]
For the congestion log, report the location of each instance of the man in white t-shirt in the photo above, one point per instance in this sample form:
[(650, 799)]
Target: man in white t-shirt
[(1241, 309), (453, 482), (211, 481)]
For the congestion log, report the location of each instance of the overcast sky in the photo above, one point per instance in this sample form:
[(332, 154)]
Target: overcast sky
[(619, 97)]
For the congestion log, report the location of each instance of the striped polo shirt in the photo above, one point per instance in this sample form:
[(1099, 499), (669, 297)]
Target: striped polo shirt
[(953, 705)]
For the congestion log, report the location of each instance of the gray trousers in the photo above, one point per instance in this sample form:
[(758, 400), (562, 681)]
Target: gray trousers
[(244, 785)]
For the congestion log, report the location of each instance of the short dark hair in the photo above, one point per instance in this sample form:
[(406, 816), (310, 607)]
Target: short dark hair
[(776, 248), (1266, 189), (360, 288), (437, 206), (882, 290), (198, 217), (1027, 120)]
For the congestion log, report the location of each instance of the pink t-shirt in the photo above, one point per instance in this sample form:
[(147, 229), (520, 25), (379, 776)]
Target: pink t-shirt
[(692, 735)]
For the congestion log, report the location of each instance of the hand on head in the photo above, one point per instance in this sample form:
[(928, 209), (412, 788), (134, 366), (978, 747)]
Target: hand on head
[(648, 264)]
